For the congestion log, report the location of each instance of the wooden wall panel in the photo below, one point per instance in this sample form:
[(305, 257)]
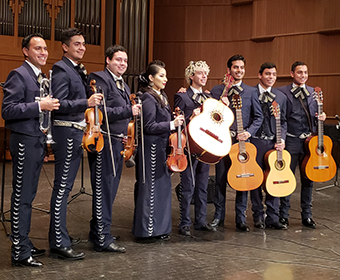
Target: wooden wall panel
[(262, 30), (278, 17), (202, 23)]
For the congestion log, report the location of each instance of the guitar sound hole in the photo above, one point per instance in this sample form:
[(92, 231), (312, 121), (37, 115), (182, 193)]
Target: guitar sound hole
[(320, 150), (243, 157), (216, 116), (280, 164)]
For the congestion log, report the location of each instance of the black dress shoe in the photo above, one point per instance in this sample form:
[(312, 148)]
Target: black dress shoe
[(309, 223), (217, 223), (284, 221), (163, 237), (184, 231), (35, 252), (206, 228), (259, 224), (75, 240), (113, 247), (277, 225), (91, 238), (66, 253), (242, 226), (30, 261)]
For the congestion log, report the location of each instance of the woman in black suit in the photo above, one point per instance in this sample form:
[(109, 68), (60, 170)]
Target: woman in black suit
[(152, 215)]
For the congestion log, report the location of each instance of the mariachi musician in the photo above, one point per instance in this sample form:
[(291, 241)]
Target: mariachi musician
[(69, 85), (301, 122), (252, 119), (21, 115), (152, 214), (104, 176), (194, 179), (265, 140)]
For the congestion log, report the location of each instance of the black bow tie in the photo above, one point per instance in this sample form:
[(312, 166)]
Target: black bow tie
[(82, 71), (199, 97), (299, 92), (267, 96), (235, 90)]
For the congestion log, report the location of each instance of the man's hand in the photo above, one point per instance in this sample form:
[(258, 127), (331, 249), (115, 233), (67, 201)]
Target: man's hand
[(182, 90), (94, 99), (225, 101), (136, 109), (49, 104), (243, 136), (280, 147), (322, 117)]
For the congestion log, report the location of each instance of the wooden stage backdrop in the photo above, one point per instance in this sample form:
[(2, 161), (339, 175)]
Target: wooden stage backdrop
[(280, 31)]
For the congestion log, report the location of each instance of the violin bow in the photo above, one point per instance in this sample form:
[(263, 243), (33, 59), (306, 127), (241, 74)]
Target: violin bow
[(108, 134), (187, 138), (142, 137)]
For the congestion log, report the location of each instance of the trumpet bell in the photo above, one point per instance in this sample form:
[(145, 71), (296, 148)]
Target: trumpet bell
[(49, 139)]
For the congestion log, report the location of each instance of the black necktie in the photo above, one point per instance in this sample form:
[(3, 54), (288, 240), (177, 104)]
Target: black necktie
[(82, 72), (120, 84)]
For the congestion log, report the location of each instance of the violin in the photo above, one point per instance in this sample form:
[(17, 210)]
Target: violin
[(177, 160), (132, 139), (93, 139)]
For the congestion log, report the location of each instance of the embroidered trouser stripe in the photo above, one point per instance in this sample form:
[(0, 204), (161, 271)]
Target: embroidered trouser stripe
[(61, 193), (99, 200), (152, 188)]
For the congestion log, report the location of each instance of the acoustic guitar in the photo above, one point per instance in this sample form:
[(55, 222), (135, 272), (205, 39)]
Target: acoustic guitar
[(244, 173), (319, 165), (279, 179), (208, 133)]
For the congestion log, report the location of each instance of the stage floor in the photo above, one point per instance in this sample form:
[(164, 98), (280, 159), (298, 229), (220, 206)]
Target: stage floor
[(296, 253)]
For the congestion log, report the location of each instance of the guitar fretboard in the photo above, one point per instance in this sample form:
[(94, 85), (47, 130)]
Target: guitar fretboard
[(320, 126), (278, 136), (240, 129)]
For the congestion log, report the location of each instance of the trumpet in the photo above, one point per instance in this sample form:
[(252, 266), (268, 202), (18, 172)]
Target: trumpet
[(45, 118)]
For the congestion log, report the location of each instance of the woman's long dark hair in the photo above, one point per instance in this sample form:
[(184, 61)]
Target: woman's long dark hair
[(144, 82)]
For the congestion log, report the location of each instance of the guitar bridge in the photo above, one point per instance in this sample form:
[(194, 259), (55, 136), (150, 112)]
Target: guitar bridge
[(321, 167), (281, 182), (246, 175), (211, 134)]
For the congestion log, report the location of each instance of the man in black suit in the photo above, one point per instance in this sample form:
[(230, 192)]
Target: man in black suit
[(301, 122), (103, 180), (69, 85), (27, 144), (252, 119), (265, 140), (194, 183)]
